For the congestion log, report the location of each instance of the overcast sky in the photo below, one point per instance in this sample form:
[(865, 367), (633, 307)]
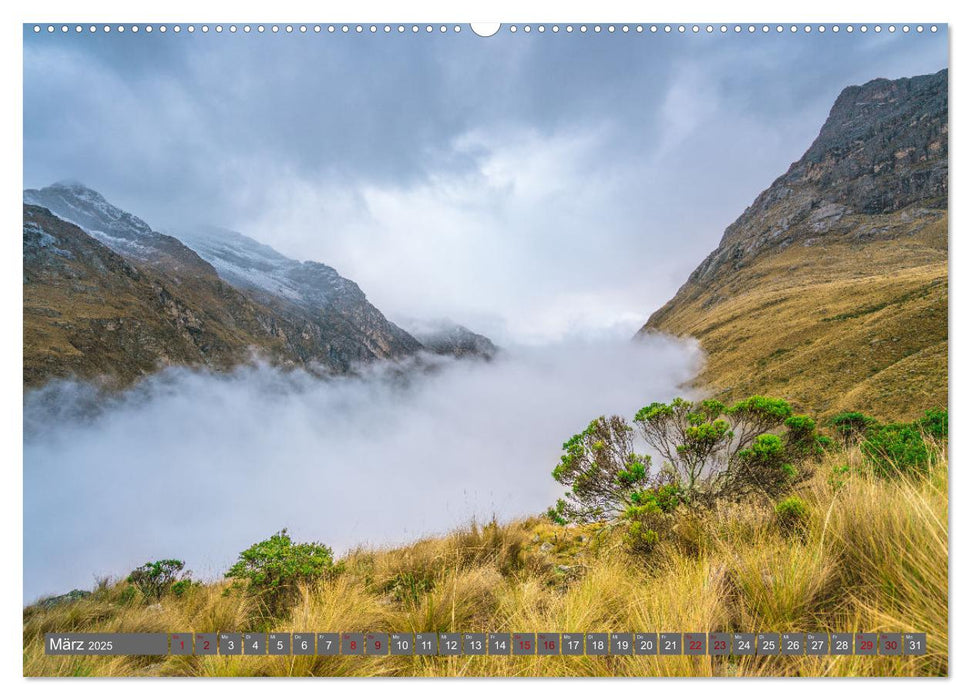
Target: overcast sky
[(530, 186)]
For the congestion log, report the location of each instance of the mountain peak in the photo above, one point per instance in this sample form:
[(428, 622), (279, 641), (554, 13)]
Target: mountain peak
[(883, 146), (445, 337), (75, 189), (121, 231), (69, 184), (882, 149), (249, 264), (842, 259), (77, 203)]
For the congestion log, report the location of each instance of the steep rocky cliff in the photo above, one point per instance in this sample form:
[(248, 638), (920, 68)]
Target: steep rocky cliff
[(831, 288)]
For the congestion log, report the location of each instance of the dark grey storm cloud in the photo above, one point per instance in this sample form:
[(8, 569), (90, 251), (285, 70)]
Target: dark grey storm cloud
[(529, 185)]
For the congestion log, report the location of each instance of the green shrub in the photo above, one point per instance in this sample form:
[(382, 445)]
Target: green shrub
[(766, 466), (181, 588), (802, 439), (156, 578), (791, 513), (708, 447), (823, 443), (710, 452), (640, 538), (660, 499), (128, 595), (851, 426), (272, 570), (934, 423), (896, 449)]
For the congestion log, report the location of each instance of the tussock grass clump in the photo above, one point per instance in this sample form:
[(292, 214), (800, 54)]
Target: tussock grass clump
[(870, 555)]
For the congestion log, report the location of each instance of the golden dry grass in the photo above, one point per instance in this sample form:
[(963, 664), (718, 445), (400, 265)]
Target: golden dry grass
[(871, 308), (873, 556)]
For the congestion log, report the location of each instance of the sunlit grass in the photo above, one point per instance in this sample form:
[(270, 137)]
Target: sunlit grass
[(873, 556), (874, 315)]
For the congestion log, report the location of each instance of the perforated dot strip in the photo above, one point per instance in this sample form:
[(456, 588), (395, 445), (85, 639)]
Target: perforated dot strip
[(581, 29)]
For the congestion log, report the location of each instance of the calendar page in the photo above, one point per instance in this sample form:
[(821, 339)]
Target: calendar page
[(488, 350)]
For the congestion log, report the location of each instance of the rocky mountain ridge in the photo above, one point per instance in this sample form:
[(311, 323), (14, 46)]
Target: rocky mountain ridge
[(107, 296), (848, 246)]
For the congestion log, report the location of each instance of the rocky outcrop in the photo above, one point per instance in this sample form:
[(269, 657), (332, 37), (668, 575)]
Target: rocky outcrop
[(882, 149), (448, 338)]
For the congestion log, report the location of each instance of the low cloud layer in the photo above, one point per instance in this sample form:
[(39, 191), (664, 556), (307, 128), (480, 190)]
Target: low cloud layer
[(199, 466)]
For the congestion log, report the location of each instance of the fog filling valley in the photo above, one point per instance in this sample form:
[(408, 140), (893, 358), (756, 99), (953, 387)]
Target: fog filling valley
[(198, 466)]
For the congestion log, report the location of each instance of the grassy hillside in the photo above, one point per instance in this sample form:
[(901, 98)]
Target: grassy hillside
[(873, 556), (830, 290), (844, 324)]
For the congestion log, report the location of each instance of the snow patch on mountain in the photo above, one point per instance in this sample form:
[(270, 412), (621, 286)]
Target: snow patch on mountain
[(242, 261), (245, 262), (86, 208)]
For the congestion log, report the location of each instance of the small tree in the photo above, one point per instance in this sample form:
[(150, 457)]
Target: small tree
[(803, 440), (651, 515), (714, 451), (154, 579), (710, 451), (273, 569), (602, 470), (687, 435), (764, 466)]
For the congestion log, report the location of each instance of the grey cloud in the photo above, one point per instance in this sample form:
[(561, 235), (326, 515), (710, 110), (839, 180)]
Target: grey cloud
[(297, 140)]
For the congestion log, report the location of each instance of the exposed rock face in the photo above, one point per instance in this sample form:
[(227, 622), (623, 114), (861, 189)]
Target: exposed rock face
[(882, 148), (868, 199), (448, 338), (322, 301)]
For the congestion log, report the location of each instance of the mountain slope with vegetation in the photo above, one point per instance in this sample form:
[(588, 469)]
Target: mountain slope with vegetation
[(831, 288), (106, 297), (91, 313)]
